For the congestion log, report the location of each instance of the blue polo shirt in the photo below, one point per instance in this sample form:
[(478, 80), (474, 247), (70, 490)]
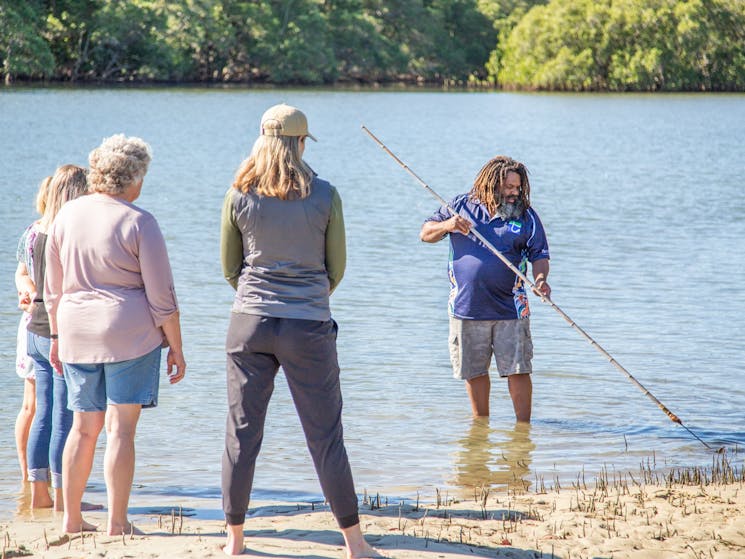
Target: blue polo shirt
[(482, 287)]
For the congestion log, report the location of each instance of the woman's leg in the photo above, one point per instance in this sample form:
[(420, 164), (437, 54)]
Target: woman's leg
[(308, 357), (119, 462), (77, 461), (357, 547), (251, 369), (41, 428), (23, 424), (25, 369), (61, 425)]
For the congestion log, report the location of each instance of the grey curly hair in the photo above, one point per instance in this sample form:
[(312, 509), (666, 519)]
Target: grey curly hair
[(118, 163)]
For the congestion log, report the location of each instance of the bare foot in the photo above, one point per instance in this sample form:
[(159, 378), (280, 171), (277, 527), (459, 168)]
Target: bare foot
[(230, 553), (234, 544), (365, 552), (69, 527), (125, 529), (357, 547), (41, 499), (59, 506)]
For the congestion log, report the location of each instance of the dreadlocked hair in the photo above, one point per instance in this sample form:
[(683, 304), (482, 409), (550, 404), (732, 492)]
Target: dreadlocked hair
[(275, 168), (488, 184)]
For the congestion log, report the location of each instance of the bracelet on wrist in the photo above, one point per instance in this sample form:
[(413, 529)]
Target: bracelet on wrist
[(54, 336)]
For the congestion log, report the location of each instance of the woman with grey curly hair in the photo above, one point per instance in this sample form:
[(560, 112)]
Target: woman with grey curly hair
[(118, 163), (112, 305)]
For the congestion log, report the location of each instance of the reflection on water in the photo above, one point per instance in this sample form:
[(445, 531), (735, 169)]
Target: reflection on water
[(23, 501), (494, 458), (23, 506)]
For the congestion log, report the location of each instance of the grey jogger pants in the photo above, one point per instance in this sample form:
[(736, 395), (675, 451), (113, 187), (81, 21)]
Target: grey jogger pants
[(256, 347)]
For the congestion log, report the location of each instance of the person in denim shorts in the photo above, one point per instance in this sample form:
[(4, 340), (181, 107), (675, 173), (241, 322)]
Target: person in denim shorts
[(488, 304), (112, 305)]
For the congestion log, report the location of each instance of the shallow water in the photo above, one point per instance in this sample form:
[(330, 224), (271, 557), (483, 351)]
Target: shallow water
[(643, 202)]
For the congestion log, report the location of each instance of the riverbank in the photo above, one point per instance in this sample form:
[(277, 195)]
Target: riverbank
[(693, 513)]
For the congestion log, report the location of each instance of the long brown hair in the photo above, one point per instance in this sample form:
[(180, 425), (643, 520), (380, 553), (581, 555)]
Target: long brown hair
[(488, 184), (41, 195), (68, 182), (275, 168)]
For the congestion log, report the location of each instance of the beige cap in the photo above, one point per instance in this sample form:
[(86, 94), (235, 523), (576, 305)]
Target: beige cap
[(284, 120)]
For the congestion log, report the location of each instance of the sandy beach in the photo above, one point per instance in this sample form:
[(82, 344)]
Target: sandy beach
[(691, 513)]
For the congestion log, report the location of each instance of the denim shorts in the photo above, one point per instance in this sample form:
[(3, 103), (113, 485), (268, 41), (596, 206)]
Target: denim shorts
[(91, 386), (473, 342)]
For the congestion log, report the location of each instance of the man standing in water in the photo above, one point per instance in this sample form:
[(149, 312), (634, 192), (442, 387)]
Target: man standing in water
[(488, 305)]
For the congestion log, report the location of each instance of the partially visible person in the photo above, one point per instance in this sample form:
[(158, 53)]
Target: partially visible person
[(488, 304), (52, 419), (111, 300), (24, 364), (283, 249)]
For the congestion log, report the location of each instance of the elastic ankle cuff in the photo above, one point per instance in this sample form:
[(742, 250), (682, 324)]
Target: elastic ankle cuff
[(235, 519), (348, 521)]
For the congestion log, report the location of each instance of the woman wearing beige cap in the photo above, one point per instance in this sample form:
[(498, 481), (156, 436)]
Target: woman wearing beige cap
[(283, 250)]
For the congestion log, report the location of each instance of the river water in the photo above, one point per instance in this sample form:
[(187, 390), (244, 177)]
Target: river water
[(641, 195)]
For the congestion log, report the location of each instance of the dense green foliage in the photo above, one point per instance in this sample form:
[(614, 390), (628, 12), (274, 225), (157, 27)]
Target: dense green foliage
[(621, 45), (532, 44), (274, 41), (22, 50)]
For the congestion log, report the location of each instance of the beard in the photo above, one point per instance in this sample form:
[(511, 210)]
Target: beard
[(508, 211)]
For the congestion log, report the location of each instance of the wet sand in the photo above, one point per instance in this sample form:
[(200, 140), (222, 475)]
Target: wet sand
[(692, 514)]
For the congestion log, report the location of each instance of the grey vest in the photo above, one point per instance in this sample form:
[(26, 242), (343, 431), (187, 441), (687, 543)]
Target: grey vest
[(284, 251)]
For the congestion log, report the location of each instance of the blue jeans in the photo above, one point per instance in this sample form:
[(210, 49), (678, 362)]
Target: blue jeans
[(52, 421)]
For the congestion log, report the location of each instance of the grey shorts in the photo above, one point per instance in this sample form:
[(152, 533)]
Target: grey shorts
[(473, 342)]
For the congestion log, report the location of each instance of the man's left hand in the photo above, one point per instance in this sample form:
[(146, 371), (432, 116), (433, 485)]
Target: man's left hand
[(542, 288)]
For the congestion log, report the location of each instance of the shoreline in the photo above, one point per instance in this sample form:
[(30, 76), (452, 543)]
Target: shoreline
[(446, 86), (684, 513)]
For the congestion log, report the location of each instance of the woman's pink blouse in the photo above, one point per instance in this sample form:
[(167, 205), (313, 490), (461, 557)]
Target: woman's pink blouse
[(108, 280)]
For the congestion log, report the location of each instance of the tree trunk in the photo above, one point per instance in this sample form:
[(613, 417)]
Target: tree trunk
[(6, 65)]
